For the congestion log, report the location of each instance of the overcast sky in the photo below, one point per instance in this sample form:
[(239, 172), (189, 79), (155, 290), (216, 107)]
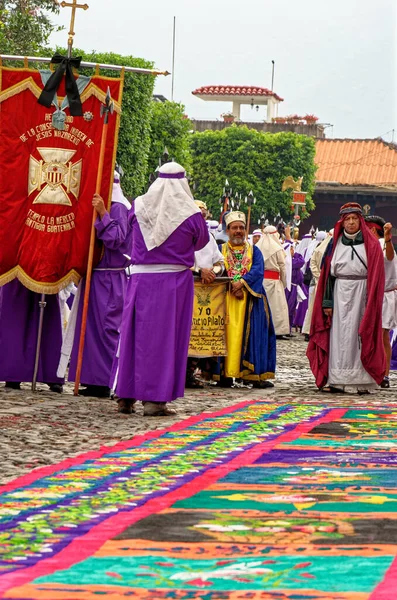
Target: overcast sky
[(334, 58)]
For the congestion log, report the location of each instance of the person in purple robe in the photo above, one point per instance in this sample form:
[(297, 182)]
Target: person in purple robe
[(167, 229), (108, 285), (300, 314), (296, 282), (19, 327), (393, 342)]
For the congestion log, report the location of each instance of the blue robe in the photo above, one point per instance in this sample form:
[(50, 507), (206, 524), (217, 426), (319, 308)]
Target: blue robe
[(259, 350)]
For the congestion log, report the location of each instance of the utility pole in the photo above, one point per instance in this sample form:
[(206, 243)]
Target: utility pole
[(173, 60), (273, 63)]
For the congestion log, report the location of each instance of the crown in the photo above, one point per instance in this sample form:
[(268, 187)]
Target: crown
[(235, 215)]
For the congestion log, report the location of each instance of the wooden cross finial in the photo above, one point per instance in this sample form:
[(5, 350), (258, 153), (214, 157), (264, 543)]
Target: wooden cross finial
[(74, 6)]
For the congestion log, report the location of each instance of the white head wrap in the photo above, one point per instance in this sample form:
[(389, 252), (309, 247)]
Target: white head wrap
[(117, 193), (269, 243), (304, 244), (257, 232), (166, 205), (213, 225), (320, 236)]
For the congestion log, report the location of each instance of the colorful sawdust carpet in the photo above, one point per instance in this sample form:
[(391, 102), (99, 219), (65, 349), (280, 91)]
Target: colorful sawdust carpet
[(263, 500)]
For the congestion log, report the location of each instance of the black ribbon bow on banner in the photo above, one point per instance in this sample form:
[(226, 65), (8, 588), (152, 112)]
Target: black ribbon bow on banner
[(51, 87)]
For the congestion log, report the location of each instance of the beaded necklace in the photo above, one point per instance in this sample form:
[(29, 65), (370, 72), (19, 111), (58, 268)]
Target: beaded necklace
[(238, 261)]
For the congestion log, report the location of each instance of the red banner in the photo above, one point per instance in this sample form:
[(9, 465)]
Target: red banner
[(300, 197), (47, 179)]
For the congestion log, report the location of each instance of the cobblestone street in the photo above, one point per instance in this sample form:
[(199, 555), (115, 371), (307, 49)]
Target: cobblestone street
[(45, 428)]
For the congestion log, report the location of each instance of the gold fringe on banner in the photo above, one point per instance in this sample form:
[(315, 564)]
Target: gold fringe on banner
[(38, 286), (27, 84)]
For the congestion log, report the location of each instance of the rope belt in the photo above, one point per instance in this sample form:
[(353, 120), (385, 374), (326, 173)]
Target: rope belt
[(352, 277), (115, 269), (157, 269)]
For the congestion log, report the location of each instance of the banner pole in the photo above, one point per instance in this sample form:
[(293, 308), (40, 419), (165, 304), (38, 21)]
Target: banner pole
[(248, 222), (90, 65), (45, 59), (42, 304), (106, 109)]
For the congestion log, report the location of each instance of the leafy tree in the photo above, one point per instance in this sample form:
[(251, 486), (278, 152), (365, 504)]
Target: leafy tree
[(25, 25), (252, 160), (169, 128)]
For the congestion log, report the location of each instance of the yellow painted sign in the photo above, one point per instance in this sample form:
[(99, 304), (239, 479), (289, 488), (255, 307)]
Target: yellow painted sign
[(208, 335)]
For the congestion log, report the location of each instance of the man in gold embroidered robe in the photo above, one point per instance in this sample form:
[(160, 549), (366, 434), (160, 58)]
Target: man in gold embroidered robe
[(251, 340)]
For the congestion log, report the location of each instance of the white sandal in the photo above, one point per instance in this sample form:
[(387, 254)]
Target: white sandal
[(157, 409)]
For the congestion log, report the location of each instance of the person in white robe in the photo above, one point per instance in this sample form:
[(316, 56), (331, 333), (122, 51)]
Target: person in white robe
[(289, 250), (208, 261), (383, 232), (318, 238), (347, 304), (313, 260), (275, 279), (64, 296), (303, 245)]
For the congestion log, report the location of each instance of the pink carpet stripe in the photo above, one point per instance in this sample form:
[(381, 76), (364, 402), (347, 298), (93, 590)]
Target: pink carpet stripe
[(41, 472), (387, 590)]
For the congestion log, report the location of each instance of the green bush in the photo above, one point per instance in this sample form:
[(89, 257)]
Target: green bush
[(169, 128), (253, 160), (134, 136)]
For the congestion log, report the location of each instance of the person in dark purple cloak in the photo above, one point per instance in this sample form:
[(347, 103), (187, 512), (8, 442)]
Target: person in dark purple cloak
[(167, 229), (19, 326), (108, 285), (393, 342), (296, 281)]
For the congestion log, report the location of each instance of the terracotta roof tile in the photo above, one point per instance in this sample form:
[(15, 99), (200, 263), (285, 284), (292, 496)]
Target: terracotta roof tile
[(235, 90), (356, 162)]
